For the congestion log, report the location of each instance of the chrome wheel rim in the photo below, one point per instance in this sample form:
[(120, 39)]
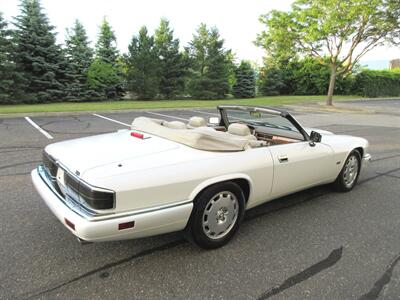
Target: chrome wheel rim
[(350, 171), (220, 215)]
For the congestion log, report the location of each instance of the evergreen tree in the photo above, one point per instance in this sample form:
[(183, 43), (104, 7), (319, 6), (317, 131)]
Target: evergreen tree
[(107, 63), (172, 66), (79, 56), (37, 56), (8, 74), (210, 64), (106, 46), (245, 86), (143, 66)]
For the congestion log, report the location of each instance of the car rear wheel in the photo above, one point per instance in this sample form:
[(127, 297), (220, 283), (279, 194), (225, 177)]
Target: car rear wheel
[(217, 214), (348, 176)]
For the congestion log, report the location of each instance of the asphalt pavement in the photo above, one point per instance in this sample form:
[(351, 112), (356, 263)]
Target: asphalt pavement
[(315, 244)]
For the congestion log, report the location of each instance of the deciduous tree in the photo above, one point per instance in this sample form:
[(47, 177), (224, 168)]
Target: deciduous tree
[(343, 31)]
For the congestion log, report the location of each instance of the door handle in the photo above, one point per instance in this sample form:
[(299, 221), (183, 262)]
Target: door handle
[(283, 158)]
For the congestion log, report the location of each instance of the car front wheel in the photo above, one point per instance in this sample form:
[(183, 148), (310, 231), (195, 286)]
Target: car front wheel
[(217, 214), (348, 176)]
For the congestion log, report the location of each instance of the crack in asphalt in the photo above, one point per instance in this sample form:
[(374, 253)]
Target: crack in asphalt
[(390, 175), (15, 150), (382, 281), (15, 174), (78, 119), (385, 157), (314, 269), (20, 164), (21, 147), (110, 265), (379, 174), (88, 125)]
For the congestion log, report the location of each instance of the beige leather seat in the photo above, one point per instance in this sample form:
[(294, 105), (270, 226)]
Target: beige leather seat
[(243, 130), (174, 124), (195, 122)]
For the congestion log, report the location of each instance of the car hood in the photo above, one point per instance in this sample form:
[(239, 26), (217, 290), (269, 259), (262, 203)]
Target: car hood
[(83, 154)]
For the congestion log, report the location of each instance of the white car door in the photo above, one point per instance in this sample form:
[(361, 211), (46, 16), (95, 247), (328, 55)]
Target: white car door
[(300, 165)]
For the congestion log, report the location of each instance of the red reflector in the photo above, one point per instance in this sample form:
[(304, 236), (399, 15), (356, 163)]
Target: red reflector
[(137, 135), (126, 225), (69, 223)]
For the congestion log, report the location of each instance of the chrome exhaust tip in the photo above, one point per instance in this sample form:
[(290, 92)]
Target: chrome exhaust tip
[(83, 242)]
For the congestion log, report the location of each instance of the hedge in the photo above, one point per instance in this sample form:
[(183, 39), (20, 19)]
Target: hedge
[(372, 83)]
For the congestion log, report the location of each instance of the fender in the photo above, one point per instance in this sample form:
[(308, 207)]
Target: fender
[(221, 178)]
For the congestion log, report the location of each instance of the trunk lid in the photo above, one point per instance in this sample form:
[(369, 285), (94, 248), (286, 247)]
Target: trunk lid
[(83, 154)]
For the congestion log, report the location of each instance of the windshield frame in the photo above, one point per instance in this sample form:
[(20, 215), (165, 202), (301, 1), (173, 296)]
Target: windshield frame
[(276, 112)]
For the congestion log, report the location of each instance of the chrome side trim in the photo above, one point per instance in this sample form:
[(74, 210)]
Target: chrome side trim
[(93, 216)]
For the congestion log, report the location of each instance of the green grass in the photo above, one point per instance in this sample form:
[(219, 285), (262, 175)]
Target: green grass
[(135, 104)]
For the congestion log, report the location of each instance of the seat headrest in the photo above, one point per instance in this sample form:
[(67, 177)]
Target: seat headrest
[(196, 122), (239, 129), (174, 125)]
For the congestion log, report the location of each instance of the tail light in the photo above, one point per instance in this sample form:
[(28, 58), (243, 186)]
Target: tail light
[(50, 164), (94, 197)]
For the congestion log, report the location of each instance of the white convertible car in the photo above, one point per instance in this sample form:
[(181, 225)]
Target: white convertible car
[(161, 176)]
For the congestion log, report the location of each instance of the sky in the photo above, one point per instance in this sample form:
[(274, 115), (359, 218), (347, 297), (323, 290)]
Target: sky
[(237, 21)]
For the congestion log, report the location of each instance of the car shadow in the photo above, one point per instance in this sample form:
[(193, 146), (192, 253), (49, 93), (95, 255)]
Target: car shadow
[(288, 201)]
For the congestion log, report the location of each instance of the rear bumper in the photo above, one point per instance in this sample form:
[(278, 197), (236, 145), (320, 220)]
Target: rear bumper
[(105, 228)]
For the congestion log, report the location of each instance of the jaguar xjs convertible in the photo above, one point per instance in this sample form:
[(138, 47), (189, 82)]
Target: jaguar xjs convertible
[(199, 177)]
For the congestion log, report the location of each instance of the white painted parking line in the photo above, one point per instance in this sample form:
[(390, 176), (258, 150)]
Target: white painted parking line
[(112, 120), (45, 133), (167, 116)]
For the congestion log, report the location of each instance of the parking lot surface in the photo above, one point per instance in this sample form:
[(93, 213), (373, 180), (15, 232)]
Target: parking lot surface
[(315, 244)]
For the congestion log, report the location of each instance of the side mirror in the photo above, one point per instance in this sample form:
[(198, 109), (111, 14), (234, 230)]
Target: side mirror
[(315, 137), (214, 120)]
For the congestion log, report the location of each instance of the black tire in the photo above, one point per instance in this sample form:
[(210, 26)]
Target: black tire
[(340, 184), (205, 205)]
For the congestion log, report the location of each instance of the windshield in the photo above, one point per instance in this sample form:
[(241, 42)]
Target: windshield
[(263, 121)]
